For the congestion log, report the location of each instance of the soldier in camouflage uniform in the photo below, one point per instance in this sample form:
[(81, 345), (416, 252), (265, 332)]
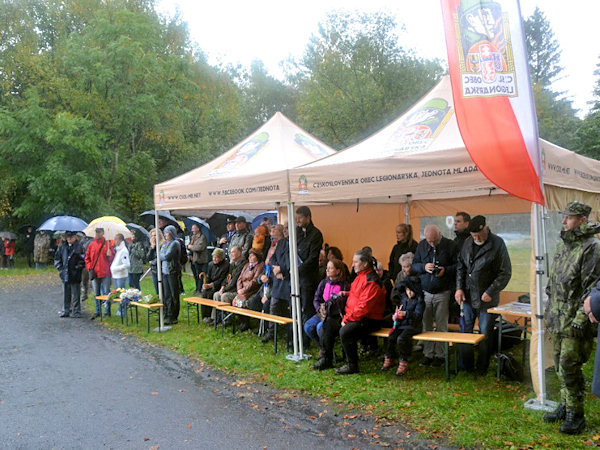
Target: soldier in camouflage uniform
[(575, 271)]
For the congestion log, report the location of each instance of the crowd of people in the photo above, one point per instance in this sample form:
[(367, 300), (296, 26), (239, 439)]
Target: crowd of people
[(428, 285)]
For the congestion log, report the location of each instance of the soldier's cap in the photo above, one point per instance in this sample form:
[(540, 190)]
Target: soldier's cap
[(70, 233), (230, 220), (240, 219), (576, 208), (99, 230), (476, 224)]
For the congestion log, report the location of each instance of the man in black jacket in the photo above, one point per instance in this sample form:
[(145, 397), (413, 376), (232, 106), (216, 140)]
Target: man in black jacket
[(461, 229), (69, 261), (483, 270), (28, 238), (310, 242), (435, 263)]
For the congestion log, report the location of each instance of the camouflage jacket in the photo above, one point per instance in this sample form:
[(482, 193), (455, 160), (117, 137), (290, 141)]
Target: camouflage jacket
[(575, 271)]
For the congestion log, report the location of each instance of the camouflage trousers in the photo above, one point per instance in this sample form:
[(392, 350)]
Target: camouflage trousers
[(569, 355)]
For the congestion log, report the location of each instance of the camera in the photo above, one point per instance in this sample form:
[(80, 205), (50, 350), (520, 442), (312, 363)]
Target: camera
[(436, 270)]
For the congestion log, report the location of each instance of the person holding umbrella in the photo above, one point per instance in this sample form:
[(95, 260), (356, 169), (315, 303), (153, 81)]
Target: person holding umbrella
[(98, 258), (69, 261)]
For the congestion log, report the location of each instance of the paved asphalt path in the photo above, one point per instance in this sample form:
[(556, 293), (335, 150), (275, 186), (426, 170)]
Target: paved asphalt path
[(70, 383)]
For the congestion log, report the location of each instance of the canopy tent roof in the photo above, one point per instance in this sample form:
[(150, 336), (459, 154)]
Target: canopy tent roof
[(421, 155), (251, 175)]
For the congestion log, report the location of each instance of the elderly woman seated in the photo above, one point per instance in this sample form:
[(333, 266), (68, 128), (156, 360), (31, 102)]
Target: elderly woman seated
[(214, 278), (248, 284), (364, 308)]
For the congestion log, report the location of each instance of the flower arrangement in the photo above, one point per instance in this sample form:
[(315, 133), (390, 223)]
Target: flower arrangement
[(130, 295), (149, 299), (115, 293)]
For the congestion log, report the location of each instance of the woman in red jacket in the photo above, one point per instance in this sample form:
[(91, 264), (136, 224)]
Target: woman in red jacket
[(364, 308)]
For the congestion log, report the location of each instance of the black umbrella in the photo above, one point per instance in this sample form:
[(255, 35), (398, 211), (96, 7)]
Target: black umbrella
[(139, 230), (218, 222), (148, 217), (23, 228)]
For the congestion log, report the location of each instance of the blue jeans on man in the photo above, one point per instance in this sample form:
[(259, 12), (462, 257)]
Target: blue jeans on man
[(101, 286), (486, 327), (120, 283)]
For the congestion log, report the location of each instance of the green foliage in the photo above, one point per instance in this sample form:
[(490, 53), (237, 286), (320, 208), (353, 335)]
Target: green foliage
[(589, 131), (543, 49), (557, 120), (355, 77)]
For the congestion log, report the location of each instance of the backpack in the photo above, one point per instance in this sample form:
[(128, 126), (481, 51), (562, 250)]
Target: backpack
[(183, 257), (509, 367)]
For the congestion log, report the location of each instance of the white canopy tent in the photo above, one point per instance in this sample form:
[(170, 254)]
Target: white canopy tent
[(421, 158), (252, 175)]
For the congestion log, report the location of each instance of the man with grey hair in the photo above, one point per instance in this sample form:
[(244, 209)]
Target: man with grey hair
[(435, 264)]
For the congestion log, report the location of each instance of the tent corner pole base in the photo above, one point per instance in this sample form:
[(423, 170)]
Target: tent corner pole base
[(298, 358), (161, 329), (535, 404)]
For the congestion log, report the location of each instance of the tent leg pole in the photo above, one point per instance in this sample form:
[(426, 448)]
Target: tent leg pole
[(161, 324)]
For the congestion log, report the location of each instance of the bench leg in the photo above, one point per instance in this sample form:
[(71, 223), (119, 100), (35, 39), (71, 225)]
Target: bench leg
[(188, 313), (217, 314), (136, 316), (499, 369), (446, 362), (148, 321), (275, 339)]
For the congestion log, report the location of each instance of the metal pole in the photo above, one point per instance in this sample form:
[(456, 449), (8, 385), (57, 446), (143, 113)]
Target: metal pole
[(294, 285)]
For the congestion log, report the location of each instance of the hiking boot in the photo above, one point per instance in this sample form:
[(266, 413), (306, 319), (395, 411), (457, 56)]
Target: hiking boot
[(558, 414), (387, 363), (347, 369), (322, 364), (402, 367), (574, 423)]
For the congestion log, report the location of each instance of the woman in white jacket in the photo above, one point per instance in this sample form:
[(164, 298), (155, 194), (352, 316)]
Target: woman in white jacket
[(119, 269)]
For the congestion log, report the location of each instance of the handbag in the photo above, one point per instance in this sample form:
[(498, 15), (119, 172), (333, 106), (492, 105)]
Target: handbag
[(93, 274)]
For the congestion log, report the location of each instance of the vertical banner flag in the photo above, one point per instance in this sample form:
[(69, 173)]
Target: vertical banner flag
[(494, 106)]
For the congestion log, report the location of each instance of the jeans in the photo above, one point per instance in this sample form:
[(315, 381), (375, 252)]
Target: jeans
[(39, 266), (486, 327), (134, 280), (310, 328), (171, 296), (120, 283), (101, 286)]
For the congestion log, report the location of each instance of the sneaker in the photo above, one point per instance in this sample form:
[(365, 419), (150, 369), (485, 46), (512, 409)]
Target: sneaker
[(402, 367), (387, 363), (438, 362), (426, 362)]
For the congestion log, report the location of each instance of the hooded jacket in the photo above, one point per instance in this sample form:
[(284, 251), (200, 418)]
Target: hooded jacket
[(488, 271), (119, 267), (169, 251), (575, 271), (366, 299)]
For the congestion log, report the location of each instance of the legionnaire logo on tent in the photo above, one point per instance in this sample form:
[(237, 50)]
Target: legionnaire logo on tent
[(420, 127), (242, 155), (302, 185), (310, 146), (484, 50)]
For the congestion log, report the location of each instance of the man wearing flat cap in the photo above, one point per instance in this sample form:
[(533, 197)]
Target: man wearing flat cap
[(242, 237), (483, 270), (69, 261), (573, 274)]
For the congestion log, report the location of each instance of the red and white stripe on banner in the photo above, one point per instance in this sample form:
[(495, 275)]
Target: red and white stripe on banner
[(493, 100)]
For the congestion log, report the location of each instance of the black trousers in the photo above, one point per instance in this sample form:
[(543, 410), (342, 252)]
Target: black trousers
[(350, 335), (400, 343), (171, 293), (329, 333)]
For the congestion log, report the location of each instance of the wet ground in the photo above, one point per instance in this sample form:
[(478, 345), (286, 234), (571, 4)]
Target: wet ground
[(71, 383)]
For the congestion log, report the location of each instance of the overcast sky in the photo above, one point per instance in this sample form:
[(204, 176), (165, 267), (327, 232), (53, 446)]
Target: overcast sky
[(239, 31)]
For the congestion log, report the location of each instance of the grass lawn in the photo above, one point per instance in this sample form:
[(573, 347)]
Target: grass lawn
[(464, 412)]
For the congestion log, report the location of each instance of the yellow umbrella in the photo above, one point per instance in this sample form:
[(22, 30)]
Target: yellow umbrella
[(181, 224), (110, 229), (107, 219)]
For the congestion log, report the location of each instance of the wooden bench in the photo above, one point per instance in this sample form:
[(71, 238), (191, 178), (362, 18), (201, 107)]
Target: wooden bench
[(104, 298), (277, 320), (197, 302), (449, 338), (153, 308)]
